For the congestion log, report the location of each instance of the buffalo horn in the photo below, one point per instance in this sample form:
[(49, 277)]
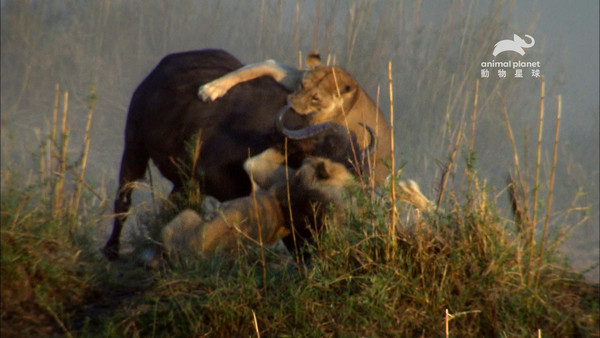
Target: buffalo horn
[(299, 134), (364, 153)]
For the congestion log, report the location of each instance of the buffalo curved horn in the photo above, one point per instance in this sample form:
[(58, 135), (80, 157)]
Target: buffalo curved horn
[(371, 147), (366, 152), (299, 134)]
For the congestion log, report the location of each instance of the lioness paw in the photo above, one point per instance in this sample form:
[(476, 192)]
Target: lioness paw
[(211, 91)]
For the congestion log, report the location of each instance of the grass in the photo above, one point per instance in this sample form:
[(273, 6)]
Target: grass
[(463, 260), (469, 270)]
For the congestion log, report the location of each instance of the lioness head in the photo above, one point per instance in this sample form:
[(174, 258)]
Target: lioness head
[(328, 178), (324, 94)]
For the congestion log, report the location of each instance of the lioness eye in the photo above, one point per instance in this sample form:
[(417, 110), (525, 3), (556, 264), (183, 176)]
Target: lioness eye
[(315, 98)]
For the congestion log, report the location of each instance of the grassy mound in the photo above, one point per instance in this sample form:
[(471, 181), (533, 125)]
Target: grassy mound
[(460, 271)]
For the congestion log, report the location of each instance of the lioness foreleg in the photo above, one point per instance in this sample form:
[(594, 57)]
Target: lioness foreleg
[(286, 76), (267, 168)]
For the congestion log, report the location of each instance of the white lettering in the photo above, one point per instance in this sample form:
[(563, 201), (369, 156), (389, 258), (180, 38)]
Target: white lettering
[(523, 64)]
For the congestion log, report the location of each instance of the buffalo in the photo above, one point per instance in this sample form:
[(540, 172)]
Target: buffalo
[(165, 113)]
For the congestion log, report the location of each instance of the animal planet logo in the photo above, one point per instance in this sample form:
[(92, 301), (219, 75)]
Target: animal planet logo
[(517, 45)]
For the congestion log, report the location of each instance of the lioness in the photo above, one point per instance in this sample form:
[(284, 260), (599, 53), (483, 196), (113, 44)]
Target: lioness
[(316, 184), (336, 144), (323, 94)]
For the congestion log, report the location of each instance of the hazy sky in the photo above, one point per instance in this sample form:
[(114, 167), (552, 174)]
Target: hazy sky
[(572, 27)]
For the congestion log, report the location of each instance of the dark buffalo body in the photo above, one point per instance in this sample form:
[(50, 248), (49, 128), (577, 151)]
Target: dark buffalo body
[(165, 113)]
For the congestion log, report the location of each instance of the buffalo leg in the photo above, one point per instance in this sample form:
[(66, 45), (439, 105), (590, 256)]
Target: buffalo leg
[(133, 168)]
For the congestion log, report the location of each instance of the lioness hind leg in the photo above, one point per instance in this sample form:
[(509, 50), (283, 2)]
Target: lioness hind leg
[(286, 76), (180, 232)]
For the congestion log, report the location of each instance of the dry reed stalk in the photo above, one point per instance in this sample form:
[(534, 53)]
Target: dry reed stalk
[(447, 318), (197, 147), (56, 317), (260, 238), (446, 128), (152, 192), (42, 172), (255, 324), (393, 164), (62, 160), (289, 201), (316, 26), (551, 188), (363, 146), (448, 167), (472, 139), (516, 205), (350, 27), (52, 151), (84, 155), (356, 164), (523, 190), (296, 33), (262, 23), (16, 212), (374, 162), (361, 168), (537, 175)]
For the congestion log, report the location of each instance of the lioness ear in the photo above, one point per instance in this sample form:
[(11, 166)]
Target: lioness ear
[(313, 59), (348, 93), (347, 89), (323, 170)]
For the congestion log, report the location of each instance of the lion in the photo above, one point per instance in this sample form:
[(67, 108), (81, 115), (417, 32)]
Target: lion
[(322, 94), (336, 144), (263, 218), (238, 220)]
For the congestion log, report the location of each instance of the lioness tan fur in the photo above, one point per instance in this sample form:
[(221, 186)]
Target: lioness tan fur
[(267, 168), (411, 193), (329, 179), (324, 94), (264, 217), (239, 220)]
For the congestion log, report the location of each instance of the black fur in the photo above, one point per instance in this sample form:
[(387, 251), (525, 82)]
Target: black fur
[(165, 113)]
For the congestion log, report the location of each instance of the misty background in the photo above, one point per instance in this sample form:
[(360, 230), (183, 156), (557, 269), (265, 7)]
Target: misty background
[(435, 48)]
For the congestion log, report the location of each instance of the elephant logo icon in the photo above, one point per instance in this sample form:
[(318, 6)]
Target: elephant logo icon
[(515, 45)]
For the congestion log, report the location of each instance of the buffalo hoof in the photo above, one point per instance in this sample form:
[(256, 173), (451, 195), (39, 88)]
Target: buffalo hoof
[(152, 258), (111, 252)]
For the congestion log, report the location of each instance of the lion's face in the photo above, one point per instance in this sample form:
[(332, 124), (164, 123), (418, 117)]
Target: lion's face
[(323, 96), (323, 175)]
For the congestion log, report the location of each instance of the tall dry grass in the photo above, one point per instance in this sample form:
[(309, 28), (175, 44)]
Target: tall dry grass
[(48, 222)]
